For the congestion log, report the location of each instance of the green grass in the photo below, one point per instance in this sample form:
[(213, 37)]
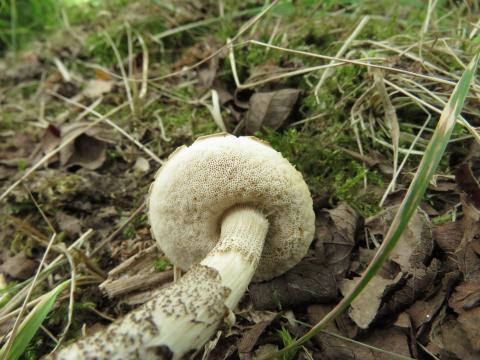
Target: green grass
[(287, 340), (24, 20), (30, 325), (409, 205)]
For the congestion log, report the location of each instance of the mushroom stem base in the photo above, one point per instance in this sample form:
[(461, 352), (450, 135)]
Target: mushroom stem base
[(183, 317)]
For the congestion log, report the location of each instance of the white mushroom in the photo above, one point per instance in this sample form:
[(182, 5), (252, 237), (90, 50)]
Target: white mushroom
[(226, 209)]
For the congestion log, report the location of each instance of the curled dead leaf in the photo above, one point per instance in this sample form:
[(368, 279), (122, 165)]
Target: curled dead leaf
[(364, 309), (335, 232), (270, 109), (88, 149), (420, 280), (19, 266), (250, 337), (416, 244)]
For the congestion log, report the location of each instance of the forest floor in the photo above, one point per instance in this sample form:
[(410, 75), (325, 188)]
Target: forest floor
[(91, 110)]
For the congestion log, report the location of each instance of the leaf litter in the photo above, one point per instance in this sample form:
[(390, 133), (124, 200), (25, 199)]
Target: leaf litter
[(425, 299)]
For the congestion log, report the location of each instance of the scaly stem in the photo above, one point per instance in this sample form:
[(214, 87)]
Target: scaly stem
[(183, 317)]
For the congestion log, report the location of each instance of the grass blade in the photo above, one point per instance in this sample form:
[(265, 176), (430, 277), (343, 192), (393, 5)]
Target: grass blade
[(32, 322), (416, 190)]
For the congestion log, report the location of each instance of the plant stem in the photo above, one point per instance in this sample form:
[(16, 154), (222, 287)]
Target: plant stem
[(183, 317)]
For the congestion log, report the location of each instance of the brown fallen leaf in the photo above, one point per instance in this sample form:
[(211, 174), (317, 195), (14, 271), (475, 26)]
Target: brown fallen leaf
[(465, 301), (448, 236), (424, 311), (68, 224), (19, 266), (270, 109), (416, 244), (468, 184), (419, 281), (308, 282), (466, 295), (207, 74), (335, 233), (333, 348), (250, 337), (50, 138), (448, 335), (364, 309), (468, 251), (469, 321), (88, 148)]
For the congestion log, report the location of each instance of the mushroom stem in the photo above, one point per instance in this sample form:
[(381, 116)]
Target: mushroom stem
[(237, 254), (183, 317)]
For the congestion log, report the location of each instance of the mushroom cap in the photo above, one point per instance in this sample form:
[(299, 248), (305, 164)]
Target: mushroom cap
[(198, 184)]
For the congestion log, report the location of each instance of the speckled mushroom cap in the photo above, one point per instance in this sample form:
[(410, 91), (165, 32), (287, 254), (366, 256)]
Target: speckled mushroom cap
[(198, 184)]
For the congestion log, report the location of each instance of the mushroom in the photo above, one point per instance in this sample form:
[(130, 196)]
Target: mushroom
[(227, 209)]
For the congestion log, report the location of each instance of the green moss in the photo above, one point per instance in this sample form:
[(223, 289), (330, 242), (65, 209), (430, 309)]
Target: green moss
[(21, 243), (160, 264), (327, 169), (442, 219), (22, 165), (128, 232)]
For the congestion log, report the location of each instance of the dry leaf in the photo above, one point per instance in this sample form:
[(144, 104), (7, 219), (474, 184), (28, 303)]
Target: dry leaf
[(466, 295), (19, 266), (270, 109), (365, 307), (447, 334), (224, 96), (333, 348), (207, 74), (68, 224), (335, 232), (420, 280), (448, 236), (468, 184), (470, 321), (466, 253), (308, 282), (466, 302), (250, 337), (88, 148), (50, 138), (416, 244), (424, 311)]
